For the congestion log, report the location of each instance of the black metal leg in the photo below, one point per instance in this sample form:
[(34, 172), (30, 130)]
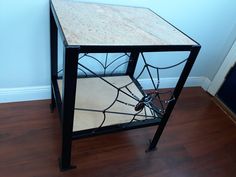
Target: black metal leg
[(176, 93), (53, 101), (68, 104), (132, 64), (53, 43)]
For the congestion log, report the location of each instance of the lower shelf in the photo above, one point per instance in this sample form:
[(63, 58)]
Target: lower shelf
[(106, 102)]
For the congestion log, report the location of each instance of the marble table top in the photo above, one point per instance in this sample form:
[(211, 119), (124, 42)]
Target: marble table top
[(100, 24)]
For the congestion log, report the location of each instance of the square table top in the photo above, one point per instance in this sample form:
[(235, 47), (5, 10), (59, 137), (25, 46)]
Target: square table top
[(113, 25)]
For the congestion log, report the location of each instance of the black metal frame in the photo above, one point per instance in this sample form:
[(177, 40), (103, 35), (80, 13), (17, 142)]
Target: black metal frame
[(66, 103)]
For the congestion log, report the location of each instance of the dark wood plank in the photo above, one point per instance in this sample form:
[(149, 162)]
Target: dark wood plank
[(199, 141)]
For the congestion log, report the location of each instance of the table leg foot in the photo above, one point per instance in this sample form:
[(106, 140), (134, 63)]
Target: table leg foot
[(149, 149), (65, 168)]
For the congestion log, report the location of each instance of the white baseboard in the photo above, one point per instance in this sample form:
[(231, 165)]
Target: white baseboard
[(206, 83), (44, 92), (24, 94), (171, 82)]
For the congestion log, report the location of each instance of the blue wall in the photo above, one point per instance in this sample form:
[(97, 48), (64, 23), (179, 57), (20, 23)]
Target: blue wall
[(24, 43), (24, 35), (211, 23)]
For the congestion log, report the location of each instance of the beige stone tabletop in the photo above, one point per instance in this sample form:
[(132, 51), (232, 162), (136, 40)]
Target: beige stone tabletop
[(99, 24)]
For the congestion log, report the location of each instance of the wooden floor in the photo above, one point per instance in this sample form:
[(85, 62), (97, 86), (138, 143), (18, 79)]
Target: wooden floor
[(199, 141)]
